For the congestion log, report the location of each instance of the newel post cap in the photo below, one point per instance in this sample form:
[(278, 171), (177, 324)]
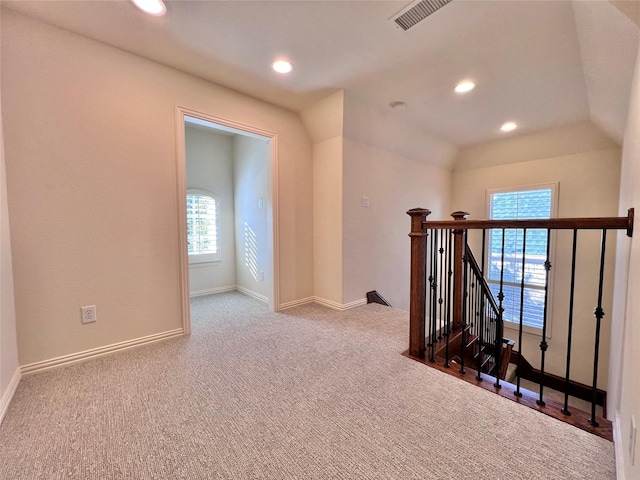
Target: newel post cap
[(419, 212), (460, 215), (418, 216)]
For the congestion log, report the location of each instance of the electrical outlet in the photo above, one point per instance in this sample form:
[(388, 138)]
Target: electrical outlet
[(89, 314), (365, 202), (262, 276), (632, 440)]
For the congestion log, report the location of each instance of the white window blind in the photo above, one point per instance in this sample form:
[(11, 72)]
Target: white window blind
[(520, 204), (203, 238)]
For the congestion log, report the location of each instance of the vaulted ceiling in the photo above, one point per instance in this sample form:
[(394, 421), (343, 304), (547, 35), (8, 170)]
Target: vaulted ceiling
[(538, 63)]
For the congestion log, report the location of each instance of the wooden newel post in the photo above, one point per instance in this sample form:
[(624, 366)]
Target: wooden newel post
[(458, 271), (418, 294)]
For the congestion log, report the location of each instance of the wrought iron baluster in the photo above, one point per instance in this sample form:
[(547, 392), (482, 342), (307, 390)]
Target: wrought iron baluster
[(471, 296), (465, 268), (432, 313), (543, 344), (518, 393), (480, 314), (481, 309), (436, 321), (440, 284), (599, 313), (565, 409), (498, 330), (449, 297)]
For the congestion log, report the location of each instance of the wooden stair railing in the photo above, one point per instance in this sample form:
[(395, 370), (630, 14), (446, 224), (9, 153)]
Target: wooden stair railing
[(455, 318)]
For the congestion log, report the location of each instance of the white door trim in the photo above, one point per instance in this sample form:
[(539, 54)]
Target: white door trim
[(271, 204)]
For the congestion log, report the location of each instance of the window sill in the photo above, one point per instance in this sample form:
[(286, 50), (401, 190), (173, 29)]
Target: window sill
[(206, 264)]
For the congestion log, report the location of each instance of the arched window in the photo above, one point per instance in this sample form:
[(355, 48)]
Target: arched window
[(203, 232)]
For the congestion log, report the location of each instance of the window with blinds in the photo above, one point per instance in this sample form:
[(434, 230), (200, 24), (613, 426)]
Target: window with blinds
[(203, 236), (520, 204)]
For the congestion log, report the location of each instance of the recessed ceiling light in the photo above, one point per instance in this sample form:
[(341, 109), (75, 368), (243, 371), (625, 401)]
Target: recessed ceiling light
[(282, 66), (156, 8), (509, 126), (464, 87)]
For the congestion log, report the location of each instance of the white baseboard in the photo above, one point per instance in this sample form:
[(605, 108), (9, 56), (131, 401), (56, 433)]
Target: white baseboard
[(354, 304), (212, 291), (340, 306), (229, 288), (98, 352), (618, 447), (253, 294), (296, 303), (6, 397)]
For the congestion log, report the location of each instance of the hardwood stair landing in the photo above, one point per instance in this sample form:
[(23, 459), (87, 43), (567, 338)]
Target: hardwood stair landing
[(578, 418)]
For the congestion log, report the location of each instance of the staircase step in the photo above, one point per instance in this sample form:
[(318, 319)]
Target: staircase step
[(471, 340), (488, 359)]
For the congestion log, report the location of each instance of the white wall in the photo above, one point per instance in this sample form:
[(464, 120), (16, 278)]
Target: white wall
[(588, 187), (8, 345), (327, 219), (625, 381), (251, 222), (324, 121), (358, 152), (210, 168), (398, 168), (91, 178), (376, 243)]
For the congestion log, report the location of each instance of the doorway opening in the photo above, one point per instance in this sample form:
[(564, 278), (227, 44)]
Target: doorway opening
[(227, 196)]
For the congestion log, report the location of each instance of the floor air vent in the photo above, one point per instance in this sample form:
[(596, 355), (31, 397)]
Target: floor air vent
[(417, 11)]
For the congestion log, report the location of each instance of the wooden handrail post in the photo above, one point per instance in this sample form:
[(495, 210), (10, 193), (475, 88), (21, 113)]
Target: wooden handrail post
[(458, 271), (418, 292)]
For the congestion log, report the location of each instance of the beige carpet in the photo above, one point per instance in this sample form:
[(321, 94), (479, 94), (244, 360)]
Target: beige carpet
[(309, 393)]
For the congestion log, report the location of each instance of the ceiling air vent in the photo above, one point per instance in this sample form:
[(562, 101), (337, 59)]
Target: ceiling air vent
[(416, 12)]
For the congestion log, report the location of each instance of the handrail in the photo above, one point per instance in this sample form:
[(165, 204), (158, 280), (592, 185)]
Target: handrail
[(586, 223), (473, 263), (461, 308)]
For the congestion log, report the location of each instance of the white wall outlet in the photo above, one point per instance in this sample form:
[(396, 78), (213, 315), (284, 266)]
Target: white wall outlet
[(260, 203), (365, 201), (632, 440), (262, 276), (89, 314)]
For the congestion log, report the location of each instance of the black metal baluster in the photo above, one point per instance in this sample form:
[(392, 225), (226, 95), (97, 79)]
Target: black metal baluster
[(432, 296), (482, 326), (484, 246), (464, 302), (599, 313), (517, 393), (498, 331), (543, 344), (449, 300), (471, 292), (441, 284), (565, 409), (436, 319), (429, 299)]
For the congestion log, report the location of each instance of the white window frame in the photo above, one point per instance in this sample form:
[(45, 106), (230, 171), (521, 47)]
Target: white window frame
[(207, 258), (554, 187)]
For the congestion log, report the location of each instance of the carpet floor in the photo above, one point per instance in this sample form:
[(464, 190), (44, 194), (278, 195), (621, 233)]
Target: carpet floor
[(309, 393)]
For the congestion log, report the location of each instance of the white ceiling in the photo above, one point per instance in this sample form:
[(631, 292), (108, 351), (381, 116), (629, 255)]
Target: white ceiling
[(538, 63)]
